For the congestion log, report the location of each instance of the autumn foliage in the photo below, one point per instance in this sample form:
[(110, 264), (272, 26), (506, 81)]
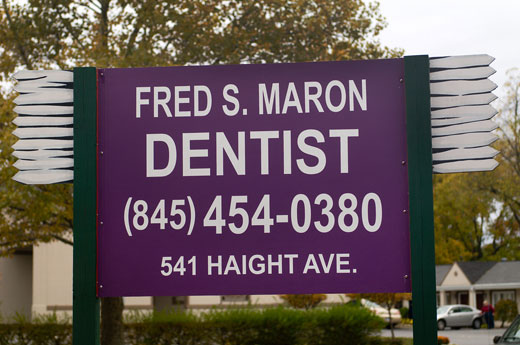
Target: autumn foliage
[(304, 301), (133, 33)]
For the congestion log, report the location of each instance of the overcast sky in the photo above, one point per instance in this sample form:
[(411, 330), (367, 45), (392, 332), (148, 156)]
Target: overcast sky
[(456, 27)]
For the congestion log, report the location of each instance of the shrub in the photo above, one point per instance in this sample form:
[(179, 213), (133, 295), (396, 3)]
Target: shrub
[(348, 325), (35, 334), (407, 321), (404, 312), (43, 330), (506, 310), (341, 325), (275, 326)]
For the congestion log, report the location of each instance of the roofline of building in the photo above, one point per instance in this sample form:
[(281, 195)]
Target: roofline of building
[(454, 288), (490, 286), (495, 286)]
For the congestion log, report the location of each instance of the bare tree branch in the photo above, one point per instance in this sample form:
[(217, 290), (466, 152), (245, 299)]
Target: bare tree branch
[(67, 25), (96, 10), (62, 239), (97, 5), (132, 38)]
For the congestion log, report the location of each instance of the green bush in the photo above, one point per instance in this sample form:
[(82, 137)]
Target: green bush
[(247, 326), (43, 330), (506, 310), (272, 326), (35, 334), (404, 312), (172, 328), (346, 325), (342, 325)]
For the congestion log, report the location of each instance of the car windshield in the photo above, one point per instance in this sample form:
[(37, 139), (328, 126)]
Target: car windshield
[(513, 332), (443, 309), (370, 304)]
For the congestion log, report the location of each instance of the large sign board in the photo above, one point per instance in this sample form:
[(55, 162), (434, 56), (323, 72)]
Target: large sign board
[(253, 179)]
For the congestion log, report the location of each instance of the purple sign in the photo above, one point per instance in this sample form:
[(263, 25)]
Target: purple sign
[(253, 179)]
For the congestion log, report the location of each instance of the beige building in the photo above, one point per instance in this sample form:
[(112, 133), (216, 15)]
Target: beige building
[(16, 284), (473, 282), (39, 281)]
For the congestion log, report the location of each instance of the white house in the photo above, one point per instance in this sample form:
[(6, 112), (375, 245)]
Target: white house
[(473, 282)]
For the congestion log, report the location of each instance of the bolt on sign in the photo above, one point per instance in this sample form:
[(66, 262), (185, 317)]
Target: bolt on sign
[(255, 179)]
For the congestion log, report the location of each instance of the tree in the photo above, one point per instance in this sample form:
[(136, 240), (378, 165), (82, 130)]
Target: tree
[(462, 212), (477, 215), (386, 300), (29, 214), (506, 310), (62, 34), (304, 301), (132, 33), (504, 183)]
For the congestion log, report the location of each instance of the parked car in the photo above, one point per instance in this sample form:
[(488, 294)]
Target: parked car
[(511, 335), (458, 315), (383, 312)]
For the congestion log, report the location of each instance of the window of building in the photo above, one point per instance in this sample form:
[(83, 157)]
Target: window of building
[(463, 298), (234, 299), (500, 295), (179, 301)]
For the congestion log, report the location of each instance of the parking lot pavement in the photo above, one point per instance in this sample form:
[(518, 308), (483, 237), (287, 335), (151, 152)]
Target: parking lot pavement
[(464, 336)]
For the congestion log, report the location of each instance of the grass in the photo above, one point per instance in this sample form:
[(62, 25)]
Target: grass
[(397, 341)]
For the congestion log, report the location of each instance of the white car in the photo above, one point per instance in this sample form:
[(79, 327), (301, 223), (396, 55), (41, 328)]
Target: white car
[(458, 315), (383, 312)]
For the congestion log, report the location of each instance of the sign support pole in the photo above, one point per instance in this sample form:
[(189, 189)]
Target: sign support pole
[(85, 314), (419, 143)]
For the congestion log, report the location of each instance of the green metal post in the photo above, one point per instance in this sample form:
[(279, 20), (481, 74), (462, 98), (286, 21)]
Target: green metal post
[(418, 124), (85, 315)]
